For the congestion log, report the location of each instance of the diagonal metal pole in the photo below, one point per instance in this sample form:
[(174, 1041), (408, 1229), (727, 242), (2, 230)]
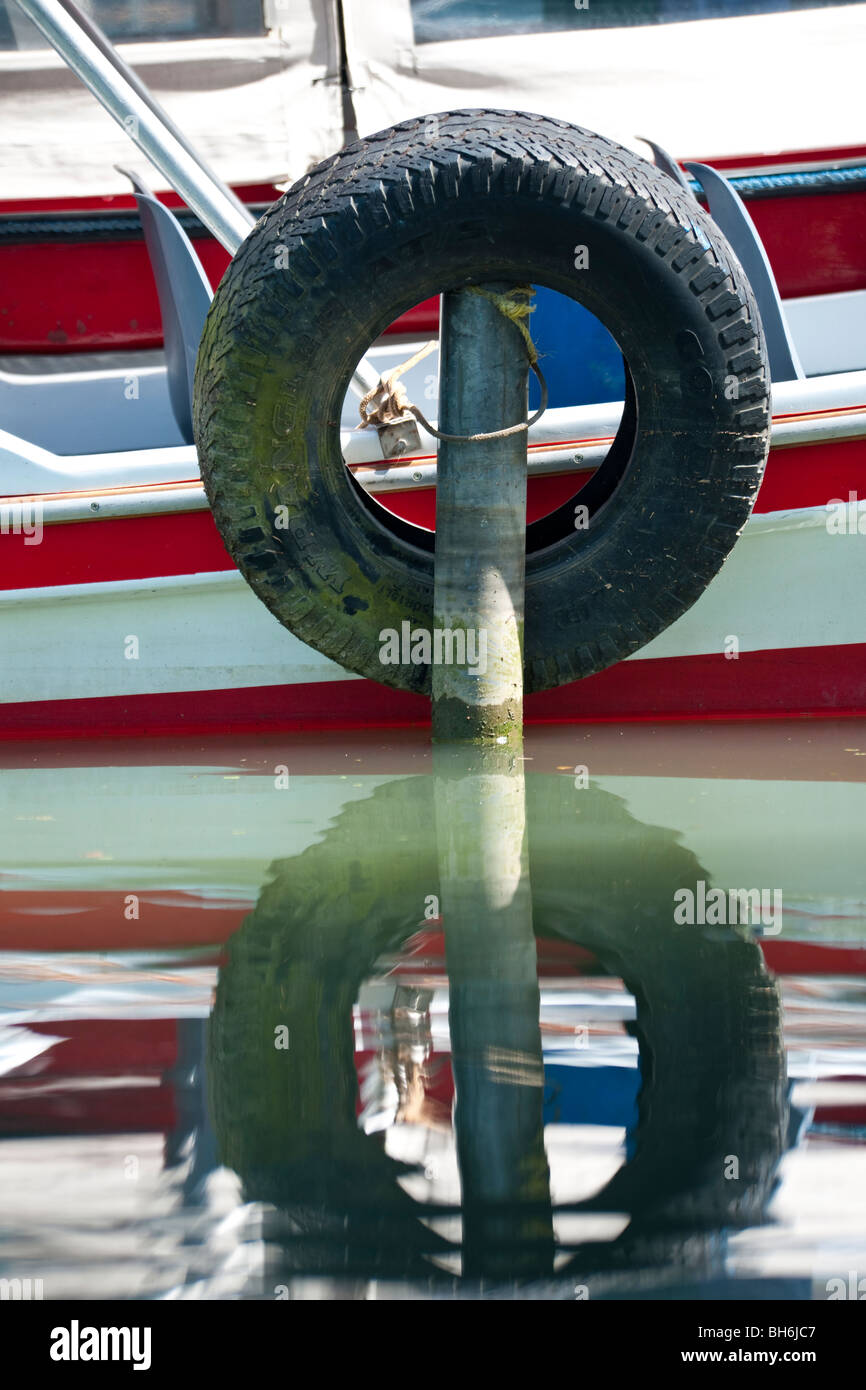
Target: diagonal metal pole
[(480, 523), (86, 23), (107, 82), (88, 53)]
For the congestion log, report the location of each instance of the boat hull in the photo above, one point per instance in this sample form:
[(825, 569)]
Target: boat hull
[(207, 656)]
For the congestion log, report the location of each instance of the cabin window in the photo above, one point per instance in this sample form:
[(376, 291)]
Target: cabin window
[(125, 21), (439, 21)]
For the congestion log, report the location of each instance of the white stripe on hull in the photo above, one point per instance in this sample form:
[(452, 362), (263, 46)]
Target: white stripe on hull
[(789, 583), (195, 632)]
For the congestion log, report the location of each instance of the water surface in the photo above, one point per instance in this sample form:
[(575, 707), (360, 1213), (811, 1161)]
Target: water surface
[(318, 1019)]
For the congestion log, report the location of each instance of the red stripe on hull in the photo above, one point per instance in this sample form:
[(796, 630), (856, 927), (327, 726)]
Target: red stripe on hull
[(100, 295), (816, 243), (135, 547), (145, 547), (91, 296), (86, 296), (798, 682), (811, 475), (827, 156), (806, 475)]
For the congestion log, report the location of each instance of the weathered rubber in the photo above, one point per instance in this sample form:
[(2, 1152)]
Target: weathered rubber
[(432, 204)]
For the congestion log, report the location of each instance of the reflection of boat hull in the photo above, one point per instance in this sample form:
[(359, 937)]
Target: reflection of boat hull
[(192, 832), (108, 1047), (319, 890)]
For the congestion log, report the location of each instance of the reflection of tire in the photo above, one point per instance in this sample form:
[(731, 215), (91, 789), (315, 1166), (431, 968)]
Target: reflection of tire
[(708, 1022), (423, 207), (708, 1015), (285, 1119)]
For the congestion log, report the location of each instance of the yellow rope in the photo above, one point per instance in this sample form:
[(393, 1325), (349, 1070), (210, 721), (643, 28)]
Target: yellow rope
[(516, 309)]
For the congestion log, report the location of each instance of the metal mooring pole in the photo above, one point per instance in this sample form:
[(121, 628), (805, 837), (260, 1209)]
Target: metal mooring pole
[(480, 523)]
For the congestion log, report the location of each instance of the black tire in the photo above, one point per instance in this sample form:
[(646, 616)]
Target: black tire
[(399, 217), (708, 1020)]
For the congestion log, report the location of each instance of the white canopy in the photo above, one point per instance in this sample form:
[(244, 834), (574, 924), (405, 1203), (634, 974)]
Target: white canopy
[(267, 108)]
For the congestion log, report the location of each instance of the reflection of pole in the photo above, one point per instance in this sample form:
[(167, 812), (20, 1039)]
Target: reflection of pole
[(494, 1006), (480, 520)]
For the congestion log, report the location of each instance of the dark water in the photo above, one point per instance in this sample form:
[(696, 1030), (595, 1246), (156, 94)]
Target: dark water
[(320, 1020)]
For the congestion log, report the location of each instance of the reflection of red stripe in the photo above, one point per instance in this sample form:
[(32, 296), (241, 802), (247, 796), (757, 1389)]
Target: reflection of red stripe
[(27, 1109), (845, 1116), (556, 958), (428, 945), (105, 1047), (61, 920), (815, 681), (75, 920), (42, 1097), (758, 751), (842, 1115), (783, 957), (87, 552), (809, 958)]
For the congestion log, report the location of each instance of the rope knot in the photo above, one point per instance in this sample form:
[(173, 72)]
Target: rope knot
[(388, 401)]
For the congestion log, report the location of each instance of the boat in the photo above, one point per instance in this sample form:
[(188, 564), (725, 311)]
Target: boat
[(121, 610)]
